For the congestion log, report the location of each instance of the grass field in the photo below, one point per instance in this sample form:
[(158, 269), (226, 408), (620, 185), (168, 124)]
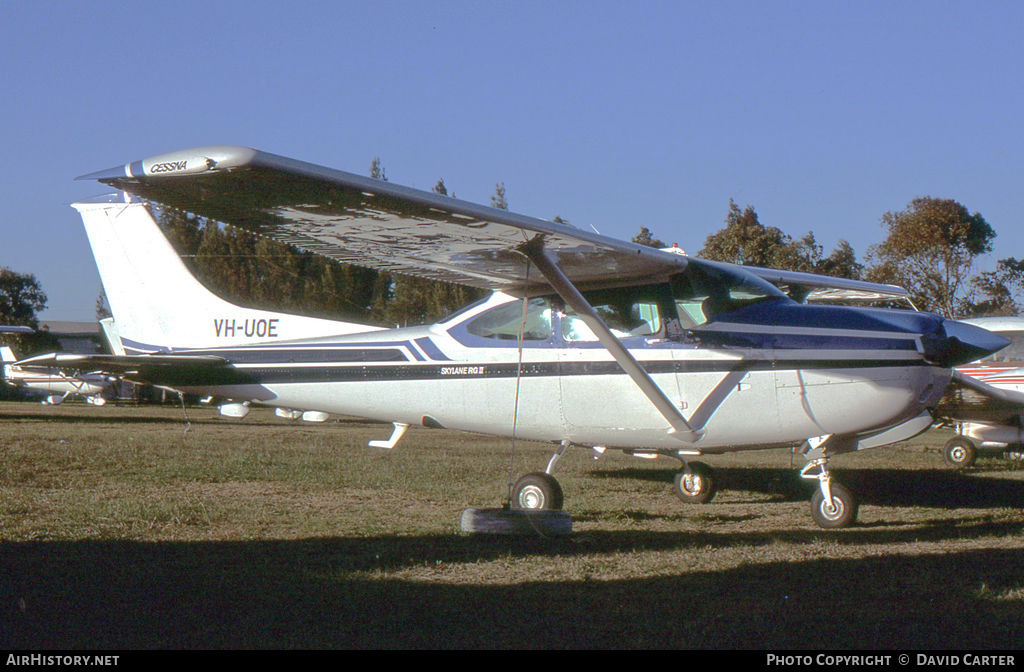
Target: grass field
[(129, 528)]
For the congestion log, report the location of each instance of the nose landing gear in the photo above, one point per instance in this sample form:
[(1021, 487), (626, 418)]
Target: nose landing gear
[(832, 505)]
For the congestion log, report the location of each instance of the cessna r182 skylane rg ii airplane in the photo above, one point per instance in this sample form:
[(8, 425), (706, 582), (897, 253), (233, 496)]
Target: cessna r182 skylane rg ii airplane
[(587, 341)]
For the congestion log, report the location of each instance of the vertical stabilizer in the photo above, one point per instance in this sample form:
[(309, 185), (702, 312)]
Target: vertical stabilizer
[(158, 305), (7, 358)]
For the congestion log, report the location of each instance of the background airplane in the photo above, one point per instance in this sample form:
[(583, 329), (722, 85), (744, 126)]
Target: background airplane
[(986, 402), (587, 341), (55, 383)]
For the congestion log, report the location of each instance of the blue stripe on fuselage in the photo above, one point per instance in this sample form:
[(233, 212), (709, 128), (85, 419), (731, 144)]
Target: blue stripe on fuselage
[(431, 350)]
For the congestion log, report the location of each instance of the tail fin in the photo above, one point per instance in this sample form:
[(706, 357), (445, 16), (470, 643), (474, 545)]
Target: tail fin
[(7, 358), (156, 302)]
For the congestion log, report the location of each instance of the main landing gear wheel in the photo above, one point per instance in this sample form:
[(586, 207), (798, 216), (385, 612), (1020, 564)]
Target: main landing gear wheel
[(695, 485), (959, 453), (840, 513), (536, 492)]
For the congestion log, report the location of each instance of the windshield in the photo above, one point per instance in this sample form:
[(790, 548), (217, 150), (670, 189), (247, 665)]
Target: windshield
[(704, 291)]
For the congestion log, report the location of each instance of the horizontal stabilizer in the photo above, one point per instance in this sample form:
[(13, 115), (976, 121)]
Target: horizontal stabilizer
[(164, 370)]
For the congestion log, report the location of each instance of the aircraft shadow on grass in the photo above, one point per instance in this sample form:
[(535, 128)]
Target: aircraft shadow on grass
[(337, 593), (938, 488)]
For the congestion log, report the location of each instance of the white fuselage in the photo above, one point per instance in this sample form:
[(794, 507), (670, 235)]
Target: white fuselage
[(440, 375), (52, 381)]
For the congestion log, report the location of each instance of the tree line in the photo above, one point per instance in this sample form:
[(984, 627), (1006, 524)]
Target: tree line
[(931, 248)]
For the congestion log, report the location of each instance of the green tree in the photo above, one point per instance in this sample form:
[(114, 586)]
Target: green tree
[(745, 240), (498, 198), (102, 305), (21, 298), (996, 293), (842, 263), (645, 237), (930, 249), (377, 171)]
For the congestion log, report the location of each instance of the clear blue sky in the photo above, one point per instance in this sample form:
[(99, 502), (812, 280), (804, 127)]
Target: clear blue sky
[(820, 115)]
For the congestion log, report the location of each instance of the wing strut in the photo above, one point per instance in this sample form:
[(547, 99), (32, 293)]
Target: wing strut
[(544, 262)]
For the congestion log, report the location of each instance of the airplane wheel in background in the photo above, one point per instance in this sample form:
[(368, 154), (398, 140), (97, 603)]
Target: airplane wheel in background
[(843, 511), (537, 491), (696, 487), (959, 452)]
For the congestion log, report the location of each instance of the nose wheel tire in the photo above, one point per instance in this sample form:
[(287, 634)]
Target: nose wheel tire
[(696, 486), (537, 491), (841, 512), (959, 453)]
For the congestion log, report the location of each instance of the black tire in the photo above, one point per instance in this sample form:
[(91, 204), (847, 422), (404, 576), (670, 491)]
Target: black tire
[(959, 453), (843, 512), (516, 522), (538, 491), (696, 487)]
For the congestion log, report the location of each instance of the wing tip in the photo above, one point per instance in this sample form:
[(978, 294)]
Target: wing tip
[(183, 162)]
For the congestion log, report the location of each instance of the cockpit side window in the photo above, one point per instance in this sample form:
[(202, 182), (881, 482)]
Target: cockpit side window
[(702, 292), (628, 312), (504, 321)]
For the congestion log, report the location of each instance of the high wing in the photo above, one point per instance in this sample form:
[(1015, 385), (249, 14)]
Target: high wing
[(377, 224), (374, 223), (810, 287)]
